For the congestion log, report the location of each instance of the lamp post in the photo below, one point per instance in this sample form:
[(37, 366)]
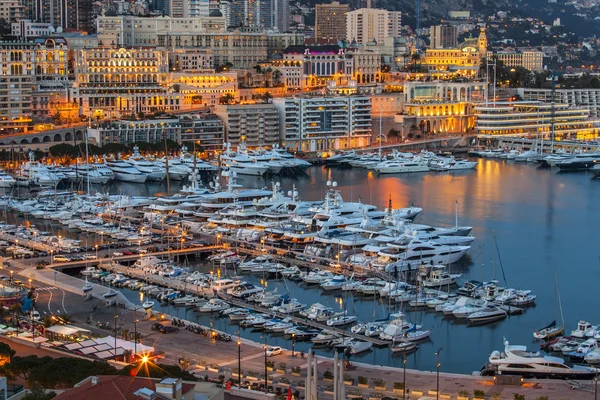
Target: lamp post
[(437, 387), (30, 284), (266, 376), (115, 322), (596, 387), (293, 340), (11, 277), (239, 343), (96, 251)]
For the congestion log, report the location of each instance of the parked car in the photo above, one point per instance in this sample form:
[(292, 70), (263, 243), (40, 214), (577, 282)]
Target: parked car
[(90, 257), (156, 326), (273, 351), (168, 329), (60, 258), (117, 254)]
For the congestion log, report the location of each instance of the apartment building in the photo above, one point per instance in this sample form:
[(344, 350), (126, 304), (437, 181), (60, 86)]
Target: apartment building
[(132, 131), (324, 123), (532, 60), (366, 25), (330, 20), (575, 98), (255, 124)]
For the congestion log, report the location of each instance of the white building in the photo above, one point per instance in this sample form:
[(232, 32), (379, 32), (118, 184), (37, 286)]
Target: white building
[(25, 29), (324, 123), (367, 24), (255, 124), (575, 98)]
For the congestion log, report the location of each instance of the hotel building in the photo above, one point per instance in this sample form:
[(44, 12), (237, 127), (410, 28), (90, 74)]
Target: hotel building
[(324, 123), (463, 60), (256, 124), (575, 98), (206, 129), (440, 107), (528, 118)]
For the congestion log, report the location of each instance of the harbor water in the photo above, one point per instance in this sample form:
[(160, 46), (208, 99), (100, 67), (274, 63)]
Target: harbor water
[(527, 221)]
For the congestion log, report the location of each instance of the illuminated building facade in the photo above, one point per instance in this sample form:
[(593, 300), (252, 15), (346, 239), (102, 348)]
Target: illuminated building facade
[(129, 132), (203, 88), (463, 60), (115, 82), (324, 123), (256, 124), (366, 64), (24, 66), (440, 107), (575, 98), (206, 129), (532, 60), (533, 118), (330, 20)]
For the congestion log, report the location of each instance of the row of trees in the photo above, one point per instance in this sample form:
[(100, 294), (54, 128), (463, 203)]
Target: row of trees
[(66, 150)]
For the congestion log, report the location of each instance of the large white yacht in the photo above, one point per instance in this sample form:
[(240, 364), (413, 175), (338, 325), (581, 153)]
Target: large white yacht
[(6, 181), (35, 173), (154, 172), (516, 360), (93, 173), (417, 253), (399, 166), (126, 172)]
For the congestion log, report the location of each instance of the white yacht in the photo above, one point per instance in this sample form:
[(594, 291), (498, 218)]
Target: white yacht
[(6, 181), (399, 166), (37, 174), (154, 172), (103, 169), (451, 164), (126, 172), (516, 360), (92, 173)]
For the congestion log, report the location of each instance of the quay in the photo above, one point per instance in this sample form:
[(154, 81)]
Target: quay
[(524, 144)]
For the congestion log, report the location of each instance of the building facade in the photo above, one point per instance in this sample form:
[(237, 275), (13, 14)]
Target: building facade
[(114, 82), (532, 60), (129, 132), (206, 129), (255, 124), (463, 60), (575, 98), (25, 29), (203, 88), (12, 11), (190, 60), (530, 118), (366, 25), (25, 66), (324, 123), (443, 37), (330, 20)]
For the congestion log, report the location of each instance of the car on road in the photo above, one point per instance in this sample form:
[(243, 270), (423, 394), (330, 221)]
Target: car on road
[(127, 253), (34, 315), (168, 329), (156, 326), (60, 258), (143, 251), (117, 254), (273, 351), (90, 257)]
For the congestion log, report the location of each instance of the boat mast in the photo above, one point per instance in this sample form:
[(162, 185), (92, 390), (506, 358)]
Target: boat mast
[(562, 318), (87, 136), (456, 214), (380, 128), (552, 114)]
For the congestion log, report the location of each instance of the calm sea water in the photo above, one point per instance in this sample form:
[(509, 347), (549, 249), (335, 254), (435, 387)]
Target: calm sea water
[(540, 219)]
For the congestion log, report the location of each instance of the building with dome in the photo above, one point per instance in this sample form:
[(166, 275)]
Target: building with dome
[(463, 60)]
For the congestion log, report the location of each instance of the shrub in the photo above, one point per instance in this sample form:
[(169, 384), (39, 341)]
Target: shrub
[(282, 365), (464, 393), (328, 375), (479, 393), (363, 380), (348, 378), (399, 385), (378, 382), (518, 396)]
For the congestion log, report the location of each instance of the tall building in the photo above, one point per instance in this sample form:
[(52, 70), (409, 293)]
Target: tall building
[(463, 60), (177, 8), (330, 20), (206, 129), (195, 8), (281, 13), (24, 66), (80, 16), (367, 25), (532, 60), (255, 124), (12, 11), (268, 14), (443, 37), (324, 123)]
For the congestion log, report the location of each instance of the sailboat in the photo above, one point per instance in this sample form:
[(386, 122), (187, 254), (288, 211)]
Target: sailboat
[(552, 329), (88, 286), (111, 293)]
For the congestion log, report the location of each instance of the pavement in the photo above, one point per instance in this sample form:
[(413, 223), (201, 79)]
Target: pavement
[(60, 293)]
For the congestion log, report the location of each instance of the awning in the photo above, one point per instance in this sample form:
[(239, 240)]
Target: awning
[(66, 330)]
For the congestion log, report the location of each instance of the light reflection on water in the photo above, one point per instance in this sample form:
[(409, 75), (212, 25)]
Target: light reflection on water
[(541, 220)]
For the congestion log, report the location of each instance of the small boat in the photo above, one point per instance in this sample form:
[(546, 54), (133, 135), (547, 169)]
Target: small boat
[(148, 304), (414, 335), (324, 337), (213, 305), (89, 271), (87, 287), (358, 346), (111, 293), (342, 320), (486, 316), (403, 347), (584, 329)]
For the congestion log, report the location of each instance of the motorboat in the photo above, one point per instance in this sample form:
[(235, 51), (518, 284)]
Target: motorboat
[(548, 332), (486, 316), (89, 271), (111, 293), (153, 171), (342, 320), (579, 162), (404, 347), (36, 173), (6, 181), (583, 349), (93, 174), (584, 329), (358, 346), (147, 305), (516, 360), (439, 276), (213, 305), (289, 306), (126, 172), (324, 337), (398, 166)]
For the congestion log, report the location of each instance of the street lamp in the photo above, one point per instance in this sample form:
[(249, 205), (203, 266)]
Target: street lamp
[(293, 340), (11, 276), (96, 251), (404, 385), (266, 376), (29, 283), (437, 388), (116, 316)]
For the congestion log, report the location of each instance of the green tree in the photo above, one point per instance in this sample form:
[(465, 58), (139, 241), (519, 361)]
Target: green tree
[(227, 98), (62, 150), (65, 372), (57, 118), (6, 350), (276, 77), (393, 134), (115, 148), (37, 392), (5, 28), (21, 367), (159, 371)]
